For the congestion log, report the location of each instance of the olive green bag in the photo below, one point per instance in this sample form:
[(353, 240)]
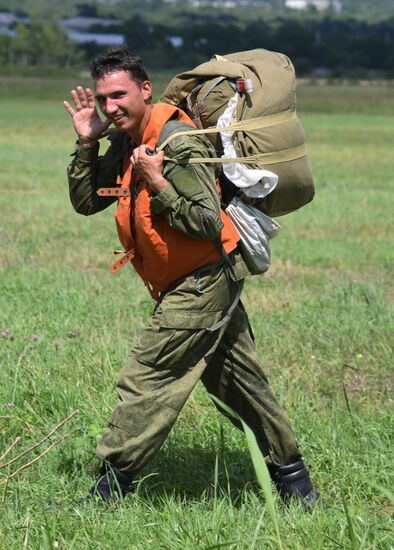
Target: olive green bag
[(267, 132)]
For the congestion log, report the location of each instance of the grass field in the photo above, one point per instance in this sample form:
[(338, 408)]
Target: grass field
[(323, 321)]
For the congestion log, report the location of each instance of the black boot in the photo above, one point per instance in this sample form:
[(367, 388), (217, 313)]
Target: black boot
[(293, 482), (111, 485)]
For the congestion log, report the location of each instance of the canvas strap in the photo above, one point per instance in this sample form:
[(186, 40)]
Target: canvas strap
[(128, 256), (284, 155), (113, 192), (230, 269), (239, 126), (248, 125)]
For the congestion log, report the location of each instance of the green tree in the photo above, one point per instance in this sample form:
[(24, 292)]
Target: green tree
[(42, 43)]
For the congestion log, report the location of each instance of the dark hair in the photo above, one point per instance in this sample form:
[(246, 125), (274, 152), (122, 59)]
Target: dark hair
[(118, 59)]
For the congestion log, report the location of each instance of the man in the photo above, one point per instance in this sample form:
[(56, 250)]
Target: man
[(185, 249)]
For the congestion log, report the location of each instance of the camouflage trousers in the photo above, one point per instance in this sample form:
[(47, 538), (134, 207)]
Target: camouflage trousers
[(174, 352)]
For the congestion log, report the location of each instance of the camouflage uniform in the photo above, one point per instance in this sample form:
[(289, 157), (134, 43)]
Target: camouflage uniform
[(176, 349)]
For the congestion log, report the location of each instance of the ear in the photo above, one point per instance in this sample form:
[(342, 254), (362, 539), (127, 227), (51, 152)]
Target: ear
[(146, 88)]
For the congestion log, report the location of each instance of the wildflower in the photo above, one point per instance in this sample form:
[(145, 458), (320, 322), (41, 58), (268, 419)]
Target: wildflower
[(30, 347), (56, 343), (73, 334), (4, 333), (10, 405), (35, 337)]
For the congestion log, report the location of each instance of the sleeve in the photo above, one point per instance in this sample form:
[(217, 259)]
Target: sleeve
[(88, 172), (190, 202)]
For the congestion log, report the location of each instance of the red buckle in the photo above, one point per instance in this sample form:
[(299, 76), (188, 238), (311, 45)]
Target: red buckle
[(244, 85)]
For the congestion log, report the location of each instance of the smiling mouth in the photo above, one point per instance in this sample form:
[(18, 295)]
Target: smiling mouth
[(117, 118)]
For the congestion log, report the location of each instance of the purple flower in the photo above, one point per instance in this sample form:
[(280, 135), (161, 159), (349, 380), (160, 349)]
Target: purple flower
[(73, 334), (10, 405), (4, 333), (35, 337)]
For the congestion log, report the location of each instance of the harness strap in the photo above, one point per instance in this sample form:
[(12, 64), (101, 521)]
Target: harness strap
[(285, 155), (234, 304), (123, 260), (239, 126), (113, 192)]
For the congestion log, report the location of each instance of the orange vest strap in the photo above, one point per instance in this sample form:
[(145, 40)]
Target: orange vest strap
[(113, 192), (123, 260)]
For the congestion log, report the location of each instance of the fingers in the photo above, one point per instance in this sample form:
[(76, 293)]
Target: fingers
[(146, 161), (68, 108), (82, 98), (144, 150), (138, 155), (90, 98)]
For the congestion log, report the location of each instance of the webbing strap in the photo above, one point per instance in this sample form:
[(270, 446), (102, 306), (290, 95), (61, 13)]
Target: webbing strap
[(123, 260), (237, 296), (241, 125), (113, 192), (284, 155)]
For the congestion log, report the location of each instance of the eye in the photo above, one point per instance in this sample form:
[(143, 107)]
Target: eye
[(118, 95)]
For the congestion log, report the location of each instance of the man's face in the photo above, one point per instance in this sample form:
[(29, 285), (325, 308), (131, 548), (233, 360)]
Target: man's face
[(124, 102)]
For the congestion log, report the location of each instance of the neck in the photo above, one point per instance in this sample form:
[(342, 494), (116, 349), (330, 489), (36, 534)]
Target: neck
[(137, 135)]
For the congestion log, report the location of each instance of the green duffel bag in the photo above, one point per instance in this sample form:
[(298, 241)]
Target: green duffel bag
[(267, 133)]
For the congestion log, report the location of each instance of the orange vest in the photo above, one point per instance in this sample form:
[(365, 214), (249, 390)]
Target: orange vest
[(159, 253)]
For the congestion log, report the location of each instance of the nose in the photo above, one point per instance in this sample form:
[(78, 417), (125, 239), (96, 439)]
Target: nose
[(109, 107)]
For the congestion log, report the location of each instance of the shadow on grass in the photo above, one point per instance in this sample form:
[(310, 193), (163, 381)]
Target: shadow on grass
[(185, 473), (189, 472)]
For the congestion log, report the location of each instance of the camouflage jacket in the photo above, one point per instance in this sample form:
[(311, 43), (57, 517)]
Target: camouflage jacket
[(190, 202)]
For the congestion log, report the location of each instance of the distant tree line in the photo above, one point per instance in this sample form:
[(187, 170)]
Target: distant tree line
[(332, 46), (39, 44)]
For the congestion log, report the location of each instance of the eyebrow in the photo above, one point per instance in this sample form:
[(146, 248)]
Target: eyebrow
[(116, 92)]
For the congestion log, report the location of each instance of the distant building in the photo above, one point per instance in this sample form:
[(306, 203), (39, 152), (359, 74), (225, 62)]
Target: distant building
[(319, 5), (77, 29), (82, 23), (7, 19), (4, 31), (227, 4), (175, 41), (102, 39)]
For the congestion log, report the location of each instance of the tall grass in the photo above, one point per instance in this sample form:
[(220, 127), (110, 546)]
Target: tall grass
[(323, 322)]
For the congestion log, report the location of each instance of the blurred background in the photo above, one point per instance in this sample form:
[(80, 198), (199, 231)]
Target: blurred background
[(324, 38)]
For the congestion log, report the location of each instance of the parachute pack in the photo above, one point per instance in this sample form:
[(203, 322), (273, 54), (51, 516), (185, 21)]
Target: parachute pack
[(246, 104)]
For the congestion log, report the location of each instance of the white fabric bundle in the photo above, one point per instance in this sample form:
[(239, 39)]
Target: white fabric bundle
[(255, 229)]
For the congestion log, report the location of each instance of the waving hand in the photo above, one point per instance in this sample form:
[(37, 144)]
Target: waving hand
[(84, 114)]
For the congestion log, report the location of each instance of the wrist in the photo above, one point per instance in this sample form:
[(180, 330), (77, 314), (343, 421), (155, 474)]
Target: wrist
[(158, 184), (86, 141)]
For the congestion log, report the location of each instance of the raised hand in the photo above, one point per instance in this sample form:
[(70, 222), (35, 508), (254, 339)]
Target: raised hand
[(84, 114)]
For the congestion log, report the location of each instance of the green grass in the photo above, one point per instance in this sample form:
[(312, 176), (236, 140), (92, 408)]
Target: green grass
[(322, 317)]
